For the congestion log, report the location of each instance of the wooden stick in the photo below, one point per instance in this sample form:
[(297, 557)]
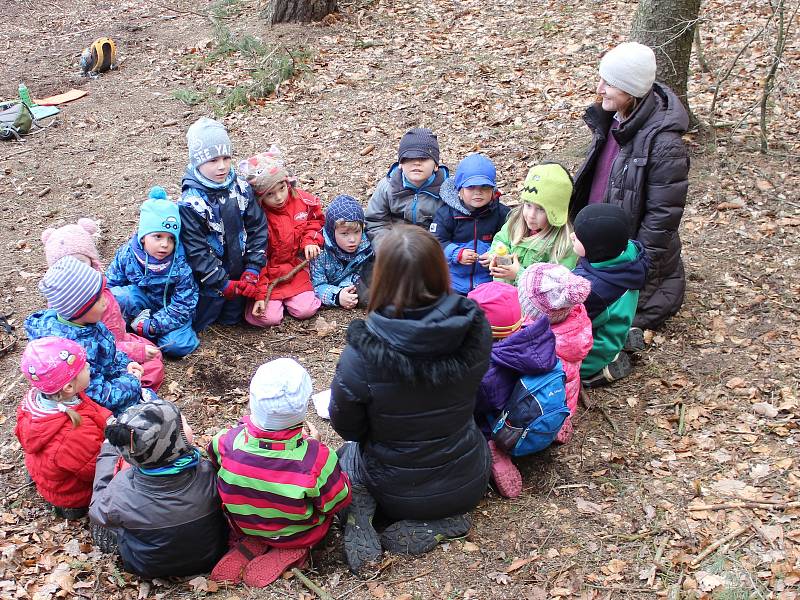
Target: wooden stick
[(654, 568), (321, 594), (17, 153), (283, 278), (17, 489), (755, 504), (730, 537)]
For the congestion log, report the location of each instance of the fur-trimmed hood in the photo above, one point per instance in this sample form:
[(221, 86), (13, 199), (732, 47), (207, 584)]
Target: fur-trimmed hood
[(437, 344)]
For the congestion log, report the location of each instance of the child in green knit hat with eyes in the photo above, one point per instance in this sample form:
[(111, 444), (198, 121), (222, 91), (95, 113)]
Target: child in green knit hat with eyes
[(537, 229)]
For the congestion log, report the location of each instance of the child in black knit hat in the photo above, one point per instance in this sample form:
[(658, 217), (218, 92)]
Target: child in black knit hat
[(617, 269), (410, 191)]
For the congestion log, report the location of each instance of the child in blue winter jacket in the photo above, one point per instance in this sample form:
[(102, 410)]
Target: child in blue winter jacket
[(152, 281), (340, 274), (223, 229), (467, 222), (74, 293)]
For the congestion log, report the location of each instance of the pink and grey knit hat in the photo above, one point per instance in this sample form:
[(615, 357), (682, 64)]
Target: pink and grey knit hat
[(264, 170), (75, 238), (551, 290), (50, 363), (498, 301)]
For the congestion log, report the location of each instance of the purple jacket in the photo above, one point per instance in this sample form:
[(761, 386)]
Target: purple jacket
[(529, 351)]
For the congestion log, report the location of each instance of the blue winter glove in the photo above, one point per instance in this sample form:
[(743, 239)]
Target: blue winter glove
[(142, 324)]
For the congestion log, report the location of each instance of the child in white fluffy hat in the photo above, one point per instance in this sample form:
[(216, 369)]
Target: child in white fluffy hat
[(279, 488)]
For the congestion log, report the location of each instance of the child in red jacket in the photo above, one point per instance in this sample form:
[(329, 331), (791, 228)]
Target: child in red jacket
[(59, 427), (294, 224)]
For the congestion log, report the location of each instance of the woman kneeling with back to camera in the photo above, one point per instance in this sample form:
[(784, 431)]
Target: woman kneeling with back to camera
[(404, 395)]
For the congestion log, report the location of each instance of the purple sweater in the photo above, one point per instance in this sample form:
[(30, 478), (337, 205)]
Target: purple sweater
[(602, 169), (529, 351)]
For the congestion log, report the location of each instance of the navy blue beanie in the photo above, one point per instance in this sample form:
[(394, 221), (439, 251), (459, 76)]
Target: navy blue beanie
[(343, 208)]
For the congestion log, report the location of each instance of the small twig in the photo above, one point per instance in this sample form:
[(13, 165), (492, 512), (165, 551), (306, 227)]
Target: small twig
[(283, 278), (756, 504), (607, 417), (321, 594), (17, 153), (682, 419), (654, 568), (630, 537), (728, 538), (410, 578), (17, 489)]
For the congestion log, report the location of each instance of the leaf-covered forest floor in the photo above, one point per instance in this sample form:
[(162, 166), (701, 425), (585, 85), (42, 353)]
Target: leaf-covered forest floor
[(697, 447)]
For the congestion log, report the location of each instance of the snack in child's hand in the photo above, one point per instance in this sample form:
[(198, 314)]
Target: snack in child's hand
[(501, 254)]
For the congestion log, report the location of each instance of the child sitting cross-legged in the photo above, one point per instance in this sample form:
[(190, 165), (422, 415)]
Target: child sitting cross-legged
[(59, 427), (152, 281), (467, 223), (341, 272), (517, 350), (75, 240), (155, 498), (74, 293), (294, 223), (279, 488)]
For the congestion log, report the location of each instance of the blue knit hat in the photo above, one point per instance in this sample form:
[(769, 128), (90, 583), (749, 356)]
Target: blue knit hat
[(343, 208), (474, 170), (71, 287), (158, 214)]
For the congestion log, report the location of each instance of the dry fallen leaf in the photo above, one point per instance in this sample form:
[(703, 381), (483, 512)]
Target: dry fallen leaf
[(470, 547)]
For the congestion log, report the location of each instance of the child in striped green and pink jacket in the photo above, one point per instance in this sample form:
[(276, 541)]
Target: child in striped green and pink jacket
[(279, 488)]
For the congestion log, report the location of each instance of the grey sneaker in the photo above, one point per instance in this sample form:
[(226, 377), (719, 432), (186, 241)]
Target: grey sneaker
[(635, 340), (617, 369), (419, 537), (361, 543)]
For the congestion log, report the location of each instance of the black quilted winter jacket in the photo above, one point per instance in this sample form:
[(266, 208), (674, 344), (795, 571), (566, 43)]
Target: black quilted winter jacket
[(405, 390), (649, 179)]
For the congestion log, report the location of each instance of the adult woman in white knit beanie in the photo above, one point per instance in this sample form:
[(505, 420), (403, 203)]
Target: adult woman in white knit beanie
[(637, 160)]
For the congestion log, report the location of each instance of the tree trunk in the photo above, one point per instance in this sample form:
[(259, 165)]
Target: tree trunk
[(302, 11), (667, 26)]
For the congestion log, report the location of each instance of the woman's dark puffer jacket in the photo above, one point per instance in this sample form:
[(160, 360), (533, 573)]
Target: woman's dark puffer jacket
[(649, 179), (405, 390)]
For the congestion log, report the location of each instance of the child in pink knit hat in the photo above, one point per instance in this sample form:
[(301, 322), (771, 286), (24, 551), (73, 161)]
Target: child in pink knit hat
[(75, 239), (517, 351), (553, 291), (59, 427)]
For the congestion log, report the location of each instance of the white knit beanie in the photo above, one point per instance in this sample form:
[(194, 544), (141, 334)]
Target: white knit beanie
[(279, 393), (630, 67)]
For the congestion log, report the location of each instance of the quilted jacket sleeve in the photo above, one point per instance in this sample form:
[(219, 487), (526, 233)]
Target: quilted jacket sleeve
[(255, 224), (349, 397), (325, 291), (666, 189), (180, 309), (378, 213)]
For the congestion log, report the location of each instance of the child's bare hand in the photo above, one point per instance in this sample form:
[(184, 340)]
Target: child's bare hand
[(508, 272), (348, 298), (484, 259), (136, 370), (259, 306), (151, 352), (312, 431), (312, 251), (468, 257)]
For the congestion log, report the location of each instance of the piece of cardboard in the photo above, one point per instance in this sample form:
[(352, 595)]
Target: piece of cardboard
[(60, 98)]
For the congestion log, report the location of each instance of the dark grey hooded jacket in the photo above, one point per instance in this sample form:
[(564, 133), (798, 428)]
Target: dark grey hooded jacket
[(649, 179)]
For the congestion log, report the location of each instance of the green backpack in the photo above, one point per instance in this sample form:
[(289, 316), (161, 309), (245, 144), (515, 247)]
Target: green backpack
[(16, 119)]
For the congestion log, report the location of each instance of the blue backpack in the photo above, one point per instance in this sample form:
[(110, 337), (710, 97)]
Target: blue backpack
[(533, 414)]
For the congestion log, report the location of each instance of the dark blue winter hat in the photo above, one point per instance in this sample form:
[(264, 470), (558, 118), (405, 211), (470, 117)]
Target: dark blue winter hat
[(419, 142), (474, 170), (343, 208)]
